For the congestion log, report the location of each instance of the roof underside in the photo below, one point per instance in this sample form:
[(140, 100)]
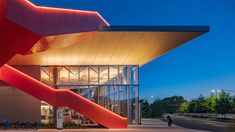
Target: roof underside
[(130, 45)]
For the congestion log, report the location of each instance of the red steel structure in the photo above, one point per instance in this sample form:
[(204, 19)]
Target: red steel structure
[(22, 24)]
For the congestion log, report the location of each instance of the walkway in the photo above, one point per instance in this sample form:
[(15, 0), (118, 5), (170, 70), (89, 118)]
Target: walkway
[(148, 125)]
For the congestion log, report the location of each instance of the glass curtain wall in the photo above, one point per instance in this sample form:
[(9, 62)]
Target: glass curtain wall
[(115, 87)]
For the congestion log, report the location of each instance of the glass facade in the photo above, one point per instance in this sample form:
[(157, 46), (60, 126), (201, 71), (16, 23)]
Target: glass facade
[(115, 87)]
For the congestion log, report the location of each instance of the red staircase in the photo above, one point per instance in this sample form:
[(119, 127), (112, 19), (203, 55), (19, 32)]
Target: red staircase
[(61, 97), (21, 27)]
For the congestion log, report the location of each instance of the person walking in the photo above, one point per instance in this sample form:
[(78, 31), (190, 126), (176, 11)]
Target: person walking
[(170, 119)]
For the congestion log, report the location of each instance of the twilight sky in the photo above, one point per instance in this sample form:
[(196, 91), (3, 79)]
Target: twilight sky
[(203, 64)]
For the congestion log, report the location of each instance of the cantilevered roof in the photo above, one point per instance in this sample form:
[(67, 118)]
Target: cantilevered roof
[(111, 45), (40, 35)]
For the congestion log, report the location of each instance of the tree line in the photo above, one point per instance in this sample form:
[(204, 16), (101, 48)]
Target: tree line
[(221, 103)]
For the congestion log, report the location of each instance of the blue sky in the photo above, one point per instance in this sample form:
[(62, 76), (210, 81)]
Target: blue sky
[(203, 64)]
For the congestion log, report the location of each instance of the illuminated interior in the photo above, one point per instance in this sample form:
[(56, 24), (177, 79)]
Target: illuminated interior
[(114, 87)]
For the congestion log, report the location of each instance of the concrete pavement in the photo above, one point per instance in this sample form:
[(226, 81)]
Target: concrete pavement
[(148, 125), (207, 124)]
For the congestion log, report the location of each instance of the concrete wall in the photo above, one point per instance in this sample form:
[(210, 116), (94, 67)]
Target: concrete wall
[(16, 104)]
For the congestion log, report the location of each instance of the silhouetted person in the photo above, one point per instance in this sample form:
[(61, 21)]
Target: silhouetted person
[(170, 119)]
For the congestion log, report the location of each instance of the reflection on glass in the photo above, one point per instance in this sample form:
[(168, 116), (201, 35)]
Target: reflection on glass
[(45, 77), (123, 100), (83, 75), (63, 76), (113, 74), (103, 74), (134, 75), (84, 91), (94, 74), (93, 93), (74, 75), (123, 71)]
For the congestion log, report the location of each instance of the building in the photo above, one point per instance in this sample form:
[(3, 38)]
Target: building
[(73, 61)]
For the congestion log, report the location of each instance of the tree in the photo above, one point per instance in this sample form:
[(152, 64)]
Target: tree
[(224, 103), (233, 105), (191, 106), (146, 110), (210, 103), (172, 104), (184, 107), (200, 105), (197, 105), (161, 106), (157, 108)]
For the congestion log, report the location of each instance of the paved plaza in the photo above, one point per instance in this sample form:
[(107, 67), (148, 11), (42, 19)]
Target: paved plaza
[(148, 125)]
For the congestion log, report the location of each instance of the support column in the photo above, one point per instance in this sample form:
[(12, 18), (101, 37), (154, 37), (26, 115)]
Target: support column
[(137, 106), (98, 81), (129, 103), (57, 111)]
